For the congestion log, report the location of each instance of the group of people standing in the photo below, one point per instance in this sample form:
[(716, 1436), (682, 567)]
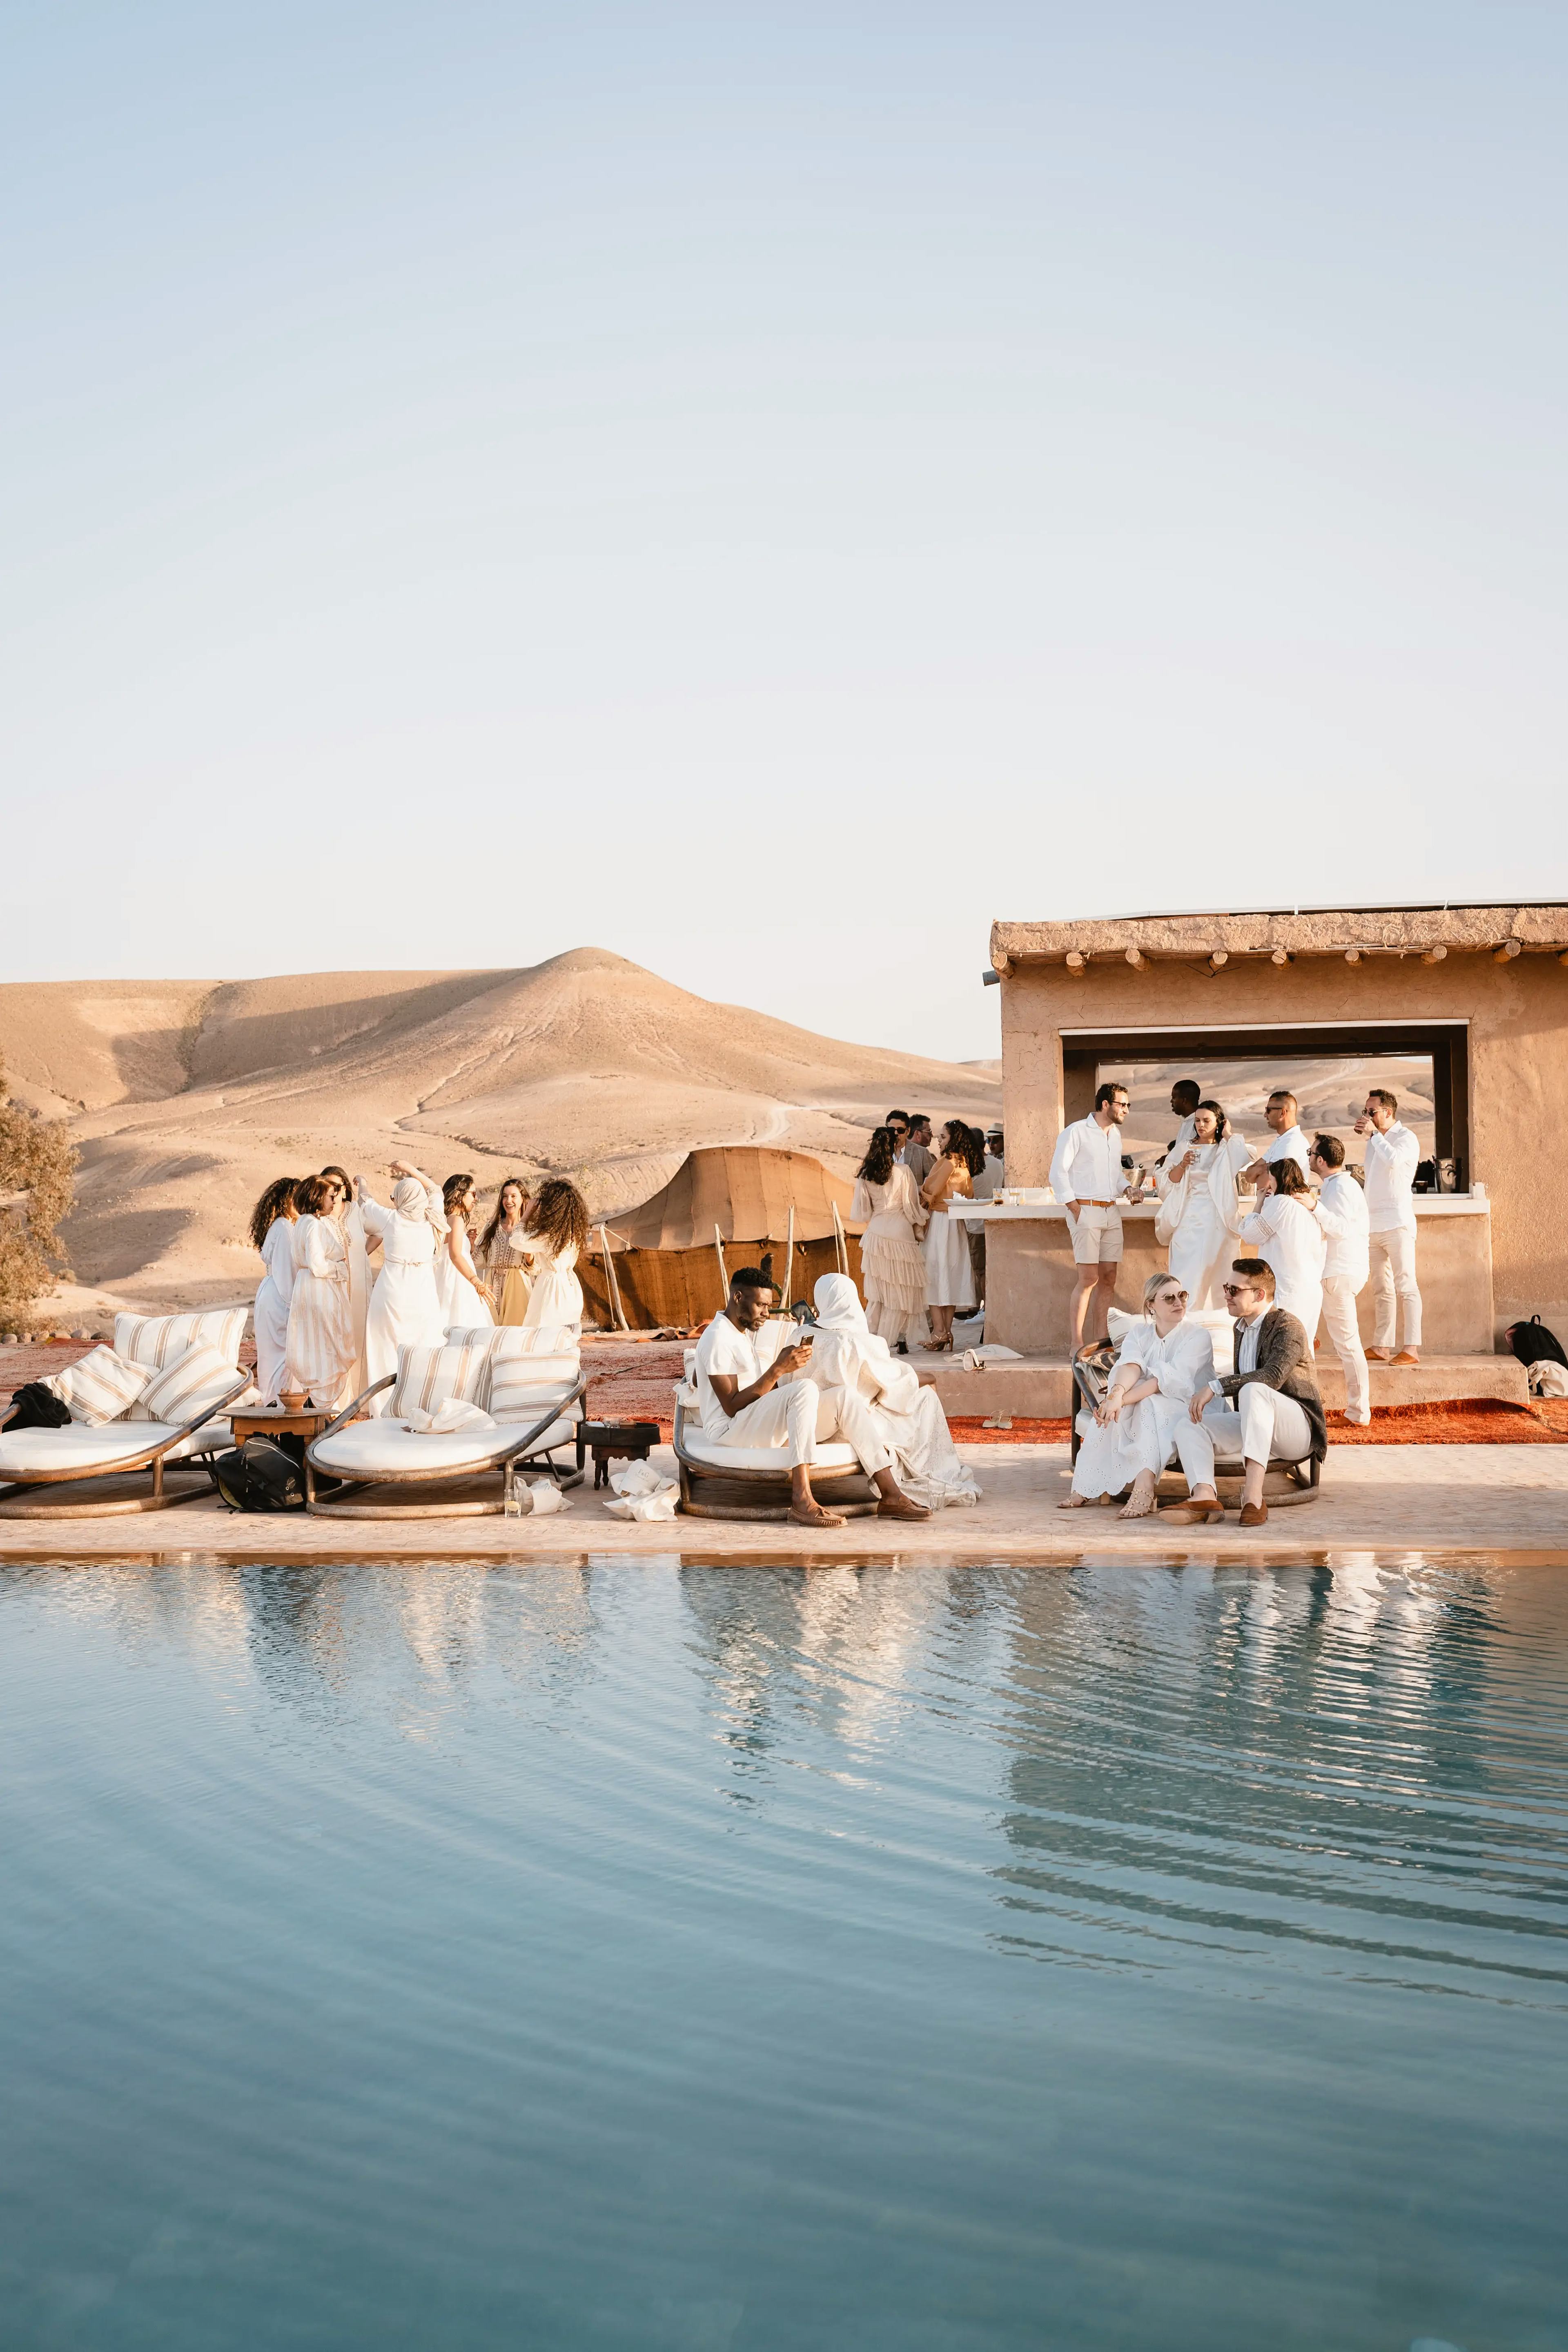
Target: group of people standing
[(328, 1327), (920, 1268), (1321, 1235)]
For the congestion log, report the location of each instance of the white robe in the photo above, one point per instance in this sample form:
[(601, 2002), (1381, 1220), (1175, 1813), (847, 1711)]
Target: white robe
[(1144, 1436), (555, 1301), (1204, 1207), (464, 1305), (1288, 1239), (271, 1314), (908, 1418), (404, 1309)]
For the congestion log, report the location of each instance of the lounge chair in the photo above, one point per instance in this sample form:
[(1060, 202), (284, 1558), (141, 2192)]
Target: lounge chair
[(751, 1482), (386, 1470), (101, 1462)]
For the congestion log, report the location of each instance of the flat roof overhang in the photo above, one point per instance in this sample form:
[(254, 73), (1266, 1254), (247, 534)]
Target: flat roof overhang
[(1280, 936)]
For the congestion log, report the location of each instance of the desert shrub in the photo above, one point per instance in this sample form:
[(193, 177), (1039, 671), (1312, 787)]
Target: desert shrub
[(38, 1172)]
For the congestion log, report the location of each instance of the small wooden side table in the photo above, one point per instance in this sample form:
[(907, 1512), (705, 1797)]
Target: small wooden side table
[(271, 1421), (617, 1440)]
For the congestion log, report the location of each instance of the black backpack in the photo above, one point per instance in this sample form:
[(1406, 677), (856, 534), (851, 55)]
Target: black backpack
[(35, 1407), (1532, 1342), (263, 1474)]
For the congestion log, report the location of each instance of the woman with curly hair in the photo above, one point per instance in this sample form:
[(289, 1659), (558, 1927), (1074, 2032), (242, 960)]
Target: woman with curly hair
[(502, 1256), (554, 1233), (272, 1233), (892, 1265)]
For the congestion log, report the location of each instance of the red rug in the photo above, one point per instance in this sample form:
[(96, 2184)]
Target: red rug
[(1467, 1421)]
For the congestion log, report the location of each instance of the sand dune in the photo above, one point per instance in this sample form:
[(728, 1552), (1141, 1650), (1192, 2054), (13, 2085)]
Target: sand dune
[(186, 1096)]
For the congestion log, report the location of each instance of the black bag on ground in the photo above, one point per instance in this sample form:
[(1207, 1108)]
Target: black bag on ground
[(262, 1475), (35, 1407), (1531, 1341)]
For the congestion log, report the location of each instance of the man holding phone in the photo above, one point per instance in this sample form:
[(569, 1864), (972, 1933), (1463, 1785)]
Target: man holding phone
[(749, 1394)]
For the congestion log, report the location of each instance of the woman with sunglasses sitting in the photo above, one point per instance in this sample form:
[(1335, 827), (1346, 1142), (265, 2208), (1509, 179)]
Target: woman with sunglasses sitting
[(1164, 1363)]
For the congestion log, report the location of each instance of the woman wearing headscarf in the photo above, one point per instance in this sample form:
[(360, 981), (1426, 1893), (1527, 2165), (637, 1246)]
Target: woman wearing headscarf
[(463, 1302), (1198, 1216), (1284, 1230), (846, 1353), (272, 1233), (405, 1308), (892, 1265), (1162, 1363), (319, 1352), (502, 1257)]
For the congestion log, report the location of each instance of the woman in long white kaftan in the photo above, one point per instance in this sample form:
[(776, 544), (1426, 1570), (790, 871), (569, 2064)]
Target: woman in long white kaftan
[(554, 1234), (319, 1353), (272, 1233), (892, 1263), (846, 1353), (346, 1210), (1199, 1214), (404, 1310), (1162, 1365), (463, 1301), (1286, 1234)]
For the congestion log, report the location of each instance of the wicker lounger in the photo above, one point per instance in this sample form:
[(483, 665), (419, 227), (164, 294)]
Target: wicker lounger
[(375, 1454), (740, 1482), (116, 1453), (1283, 1482)]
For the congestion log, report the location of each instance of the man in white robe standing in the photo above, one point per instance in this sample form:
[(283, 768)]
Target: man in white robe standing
[(749, 1396), (1343, 1215), (1088, 1179), (1392, 1157)]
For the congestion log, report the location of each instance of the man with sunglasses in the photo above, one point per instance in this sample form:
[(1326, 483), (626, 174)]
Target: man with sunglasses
[(1267, 1410)]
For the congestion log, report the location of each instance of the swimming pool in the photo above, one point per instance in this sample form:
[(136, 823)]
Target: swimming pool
[(634, 1955)]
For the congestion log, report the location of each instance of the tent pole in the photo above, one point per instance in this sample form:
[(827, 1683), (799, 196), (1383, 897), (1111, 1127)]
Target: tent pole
[(840, 1246), (789, 1262), (723, 1271), (614, 1286)]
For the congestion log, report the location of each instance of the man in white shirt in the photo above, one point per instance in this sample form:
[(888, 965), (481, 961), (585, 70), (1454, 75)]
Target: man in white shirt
[(1087, 1178), (1392, 1154), (1342, 1218), (1283, 1113), (748, 1396)]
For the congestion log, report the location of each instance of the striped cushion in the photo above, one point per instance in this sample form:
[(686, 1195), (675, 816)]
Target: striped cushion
[(518, 1346), (427, 1376), (195, 1383), (157, 1340), (522, 1387), (99, 1388)]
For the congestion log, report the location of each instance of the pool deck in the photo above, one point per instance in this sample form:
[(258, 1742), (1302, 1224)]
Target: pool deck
[(1497, 1502)]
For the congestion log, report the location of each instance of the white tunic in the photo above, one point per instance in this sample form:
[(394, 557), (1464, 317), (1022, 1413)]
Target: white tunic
[(909, 1417), (1204, 1201), (1288, 1239), (1343, 1223), (743, 1355), (1086, 1162), (1144, 1436), (555, 1302), (1391, 1161), (320, 1349), (272, 1307), (404, 1309)]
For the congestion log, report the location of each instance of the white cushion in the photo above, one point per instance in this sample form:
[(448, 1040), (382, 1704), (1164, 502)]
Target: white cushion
[(508, 1340), (77, 1447), (427, 1377), (158, 1340), (522, 1390), (368, 1449), (99, 1387), (194, 1383), (703, 1448)]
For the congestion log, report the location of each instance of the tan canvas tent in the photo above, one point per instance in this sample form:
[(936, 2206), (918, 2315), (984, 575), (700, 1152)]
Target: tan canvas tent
[(667, 1253)]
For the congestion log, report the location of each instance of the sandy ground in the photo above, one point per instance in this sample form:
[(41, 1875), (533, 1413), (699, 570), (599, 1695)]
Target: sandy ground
[(187, 1098), (1458, 1501)]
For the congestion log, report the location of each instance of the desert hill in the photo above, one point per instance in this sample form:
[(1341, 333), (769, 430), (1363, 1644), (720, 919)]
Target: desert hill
[(186, 1096)]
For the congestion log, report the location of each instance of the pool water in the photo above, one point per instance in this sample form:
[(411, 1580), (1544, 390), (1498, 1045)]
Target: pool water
[(640, 1955)]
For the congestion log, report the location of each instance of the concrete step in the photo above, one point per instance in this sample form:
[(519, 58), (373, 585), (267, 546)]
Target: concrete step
[(1040, 1388)]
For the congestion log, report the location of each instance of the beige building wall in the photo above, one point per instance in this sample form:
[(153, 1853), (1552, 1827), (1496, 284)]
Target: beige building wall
[(1517, 1015)]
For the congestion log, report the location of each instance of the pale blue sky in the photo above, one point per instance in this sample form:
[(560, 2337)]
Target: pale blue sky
[(765, 491)]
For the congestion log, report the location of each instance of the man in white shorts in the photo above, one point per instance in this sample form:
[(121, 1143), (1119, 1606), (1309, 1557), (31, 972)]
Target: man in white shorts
[(1088, 1177), (748, 1394)]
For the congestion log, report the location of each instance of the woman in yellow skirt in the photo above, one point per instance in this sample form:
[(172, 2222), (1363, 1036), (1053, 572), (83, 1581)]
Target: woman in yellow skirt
[(502, 1259)]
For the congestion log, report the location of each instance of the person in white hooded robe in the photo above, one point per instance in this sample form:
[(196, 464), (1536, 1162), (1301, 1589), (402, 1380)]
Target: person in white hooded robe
[(847, 1354), (404, 1305), (1161, 1364)]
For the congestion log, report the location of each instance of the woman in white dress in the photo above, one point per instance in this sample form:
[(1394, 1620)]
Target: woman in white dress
[(892, 1263), (319, 1352), (346, 1212), (1162, 1365), (463, 1302), (502, 1257), (272, 1233), (846, 1353), (555, 1234), (1199, 1214), (1287, 1238), (404, 1309), (950, 1276)]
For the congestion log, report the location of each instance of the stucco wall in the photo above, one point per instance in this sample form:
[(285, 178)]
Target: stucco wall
[(1518, 1016)]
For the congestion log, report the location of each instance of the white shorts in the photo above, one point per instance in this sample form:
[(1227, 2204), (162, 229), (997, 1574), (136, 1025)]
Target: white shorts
[(1096, 1235)]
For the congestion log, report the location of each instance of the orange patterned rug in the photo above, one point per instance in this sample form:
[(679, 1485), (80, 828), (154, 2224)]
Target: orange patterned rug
[(1466, 1420)]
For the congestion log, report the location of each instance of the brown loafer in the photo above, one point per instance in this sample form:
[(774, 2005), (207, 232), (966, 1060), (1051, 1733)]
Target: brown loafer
[(1191, 1515), (1253, 1514), (812, 1514), (1407, 1356), (900, 1506)]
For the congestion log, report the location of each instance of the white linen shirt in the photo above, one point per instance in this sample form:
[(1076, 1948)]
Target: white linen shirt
[(1391, 1162), (1086, 1162), (1343, 1223), (1291, 1145), (1246, 1346), (746, 1354)]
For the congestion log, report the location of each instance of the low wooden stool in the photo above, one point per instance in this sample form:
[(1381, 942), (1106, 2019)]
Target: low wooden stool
[(617, 1440)]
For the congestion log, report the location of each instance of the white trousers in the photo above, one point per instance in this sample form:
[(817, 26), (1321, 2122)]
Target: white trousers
[(798, 1415), (1344, 1336), (1261, 1426), (1393, 1276)]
